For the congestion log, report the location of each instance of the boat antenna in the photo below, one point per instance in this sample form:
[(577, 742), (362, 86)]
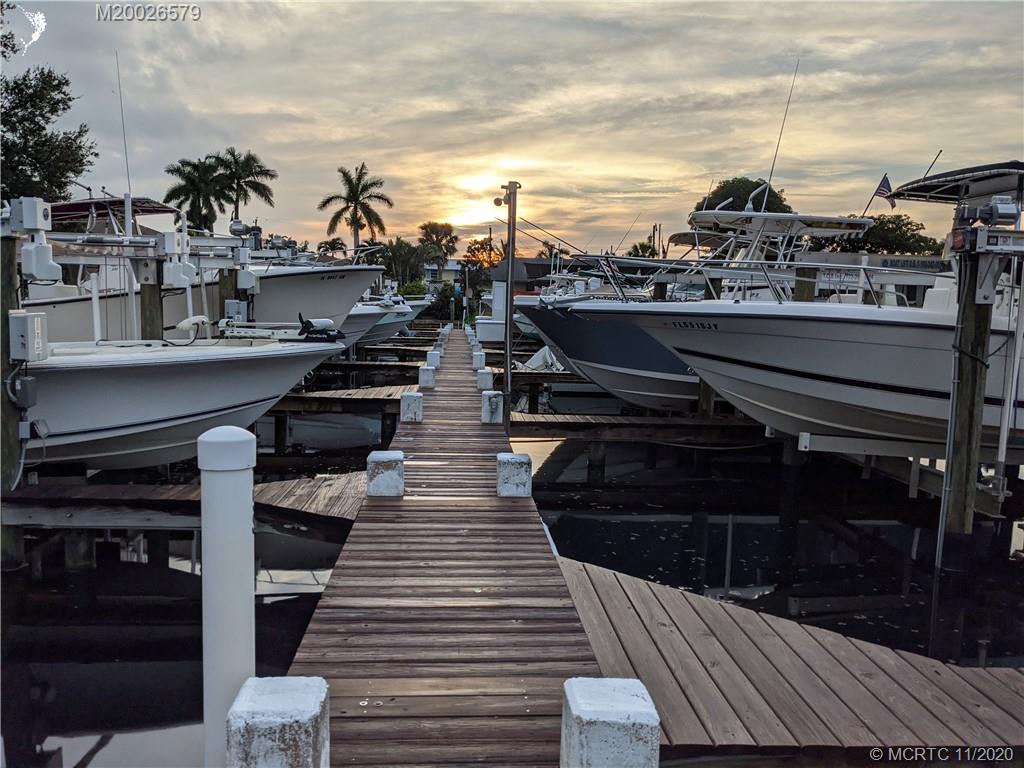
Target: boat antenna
[(627, 233), (932, 165), (707, 197), (538, 226), (124, 133), (771, 172)]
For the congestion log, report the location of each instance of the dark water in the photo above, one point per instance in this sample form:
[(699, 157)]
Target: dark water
[(105, 668)]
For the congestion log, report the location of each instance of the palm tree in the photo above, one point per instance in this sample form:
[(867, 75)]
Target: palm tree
[(439, 242), (244, 176), (199, 190), (359, 191), (332, 245)]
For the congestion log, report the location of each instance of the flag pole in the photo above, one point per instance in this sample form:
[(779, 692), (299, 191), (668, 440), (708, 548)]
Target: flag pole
[(932, 165), (870, 199)]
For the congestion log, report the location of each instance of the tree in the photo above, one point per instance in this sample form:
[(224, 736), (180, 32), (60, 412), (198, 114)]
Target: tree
[(414, 288), (549, 250), (402, 261), (891, 233), (441, 306), (8, 42), (332, 246), (439, 243), (244, 176), (643, 249), (38, 161), (199, 190), (359, 191), (739, 189), (480, 256)]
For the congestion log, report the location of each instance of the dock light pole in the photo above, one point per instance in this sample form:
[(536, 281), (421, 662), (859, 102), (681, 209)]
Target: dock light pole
[(509, 199)]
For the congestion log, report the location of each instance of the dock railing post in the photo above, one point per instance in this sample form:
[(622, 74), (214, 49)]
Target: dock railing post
[(491, 409), (485, 378), (427, 376), (227, 456), (280, 722), (608, 722), (515, 475), (479, 360), (433, 358), (385, 473), (411, 407)]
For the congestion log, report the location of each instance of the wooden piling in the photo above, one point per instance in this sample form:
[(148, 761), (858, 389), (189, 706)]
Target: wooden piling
[(151, 307), (806, 284), (975, 320), (597, 454), (11, 445)]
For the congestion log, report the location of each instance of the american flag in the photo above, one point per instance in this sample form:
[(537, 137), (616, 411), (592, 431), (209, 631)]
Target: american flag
[(885, 191)]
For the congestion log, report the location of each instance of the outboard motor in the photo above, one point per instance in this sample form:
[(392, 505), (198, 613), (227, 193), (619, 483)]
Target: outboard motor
[(321, 330)]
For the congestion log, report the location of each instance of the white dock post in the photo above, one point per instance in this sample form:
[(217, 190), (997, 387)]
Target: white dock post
[(485, 378), (479, 360), (439, 348), (491, 407), (515, 475), (433, 359), (385, 473), (427, 376), (411, 409), (226, 458), (280, 722), (608, 722)]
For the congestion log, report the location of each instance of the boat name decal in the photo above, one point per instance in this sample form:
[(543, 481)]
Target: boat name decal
[(695, 325)]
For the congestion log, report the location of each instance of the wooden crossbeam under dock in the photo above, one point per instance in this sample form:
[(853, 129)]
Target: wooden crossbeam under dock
[(447, 630), (682, 430)]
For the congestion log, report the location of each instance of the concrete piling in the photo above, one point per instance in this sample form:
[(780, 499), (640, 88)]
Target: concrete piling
[(385, 473), (608, 722)]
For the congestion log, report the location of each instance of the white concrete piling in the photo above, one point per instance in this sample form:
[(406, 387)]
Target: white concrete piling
[(479, 360), (411, 410), (515, 475), (608, 722), (439, 348), (427, 376), (491, 407), (485, 378), (227, 456), (385, 473), (280, 722), (434, 358)]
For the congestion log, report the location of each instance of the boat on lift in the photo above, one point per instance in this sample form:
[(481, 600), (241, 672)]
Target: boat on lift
[(144, 403), (624, 359), (287, 281), (876, 371)]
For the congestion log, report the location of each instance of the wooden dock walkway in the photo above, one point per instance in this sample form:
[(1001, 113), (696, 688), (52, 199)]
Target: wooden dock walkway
[(447, 630), (727, 680)]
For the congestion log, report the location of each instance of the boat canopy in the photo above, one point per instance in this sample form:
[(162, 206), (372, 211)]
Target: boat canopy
[(81, 211), (768, 223), (698, 239), (978, 182)]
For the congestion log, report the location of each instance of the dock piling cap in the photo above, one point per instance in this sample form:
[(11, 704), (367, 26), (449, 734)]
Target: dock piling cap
[(226, 449), (607, 698)]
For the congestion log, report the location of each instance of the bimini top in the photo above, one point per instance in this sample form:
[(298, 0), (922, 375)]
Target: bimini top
[(979, 182), (757, 222), (80, 211)]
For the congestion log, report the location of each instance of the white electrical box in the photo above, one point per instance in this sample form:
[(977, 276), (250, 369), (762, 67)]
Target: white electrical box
[(236, 310), (28, 336), (30, 214)]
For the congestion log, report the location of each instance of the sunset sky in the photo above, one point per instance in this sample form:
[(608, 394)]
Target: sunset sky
[(602, 112)]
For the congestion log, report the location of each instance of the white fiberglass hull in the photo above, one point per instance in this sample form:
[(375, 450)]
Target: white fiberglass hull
[(138, 406), (397, 318), (316, 292), (844, 370)]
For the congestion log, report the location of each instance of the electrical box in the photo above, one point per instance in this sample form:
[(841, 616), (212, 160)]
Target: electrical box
[(24, 391), (30, 214), (28, 336), (236, 310)]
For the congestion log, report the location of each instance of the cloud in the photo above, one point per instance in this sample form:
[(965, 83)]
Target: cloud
[(602, 111)]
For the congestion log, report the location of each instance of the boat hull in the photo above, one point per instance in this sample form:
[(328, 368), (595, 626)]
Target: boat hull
[(617, 356), (149, 408), (849, 371)]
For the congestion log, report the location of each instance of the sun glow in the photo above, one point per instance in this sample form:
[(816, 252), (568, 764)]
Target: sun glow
[(474, 211)]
